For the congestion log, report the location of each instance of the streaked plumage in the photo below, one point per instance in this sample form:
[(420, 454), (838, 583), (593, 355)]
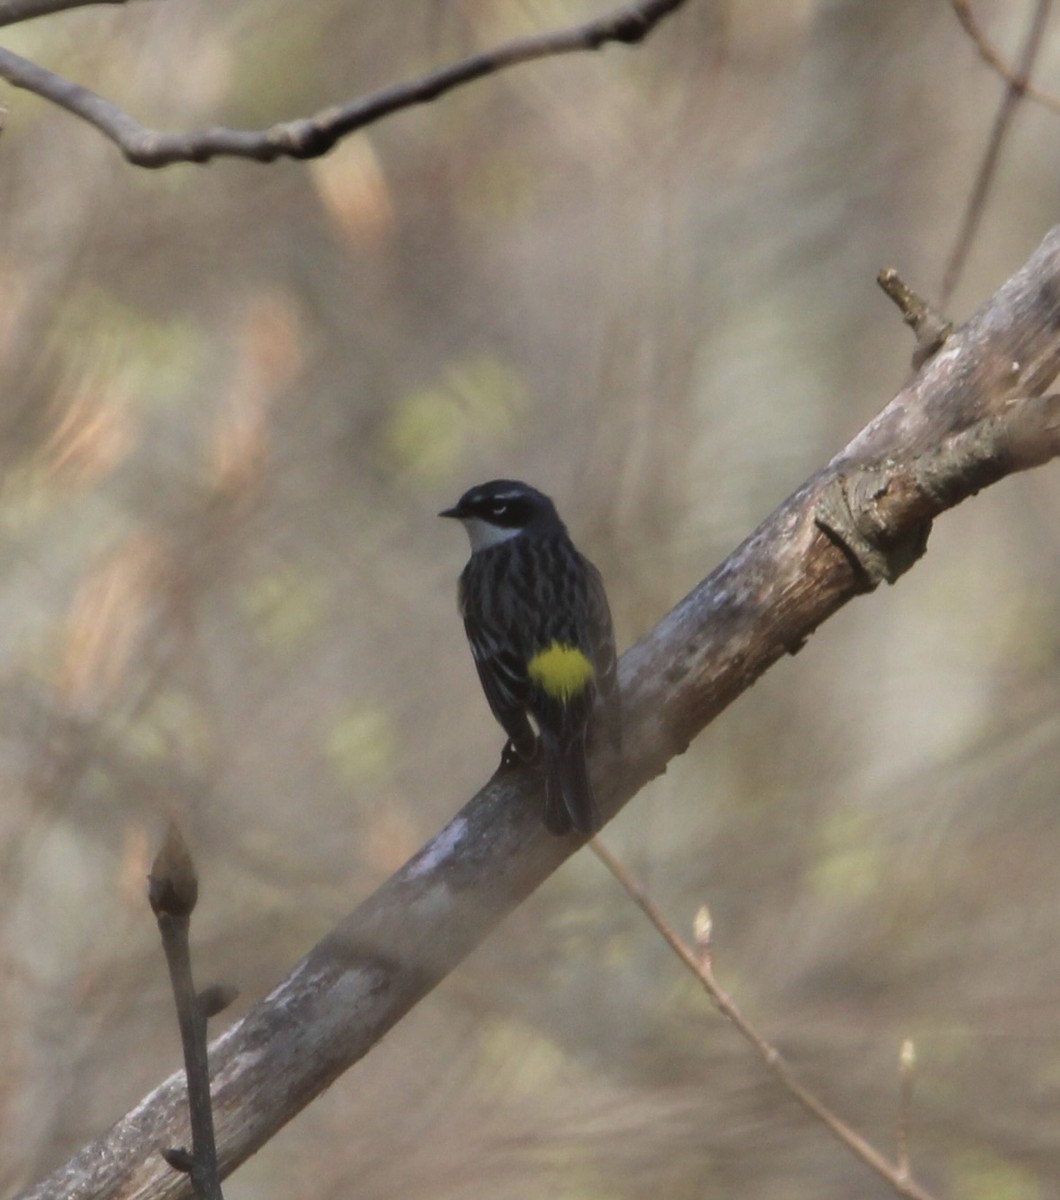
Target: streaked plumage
[(540, 630)]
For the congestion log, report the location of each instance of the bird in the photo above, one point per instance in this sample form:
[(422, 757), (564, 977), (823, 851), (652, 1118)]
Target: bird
[(542, 639)]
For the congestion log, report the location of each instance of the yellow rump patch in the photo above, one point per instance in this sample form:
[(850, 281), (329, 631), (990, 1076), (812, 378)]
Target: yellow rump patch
[(562, 672)]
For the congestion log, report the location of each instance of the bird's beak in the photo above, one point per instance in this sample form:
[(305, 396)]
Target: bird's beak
[(450, 512)]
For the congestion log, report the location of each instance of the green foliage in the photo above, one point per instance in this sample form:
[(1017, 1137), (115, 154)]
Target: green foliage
[(123, 346), (173, 724), (849, 865), (980, 1175), (362, 745), (431, 428), (284, 607)]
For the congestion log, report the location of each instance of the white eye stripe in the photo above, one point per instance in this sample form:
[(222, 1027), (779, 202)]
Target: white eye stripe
[(494, 501)]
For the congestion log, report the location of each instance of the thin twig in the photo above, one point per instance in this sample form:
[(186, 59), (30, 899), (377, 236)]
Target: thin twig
[(173, 890), (906, 1079), (931, 327), (700, 966), (989, 55), (310, 137), (1015, 90), (14, 11)]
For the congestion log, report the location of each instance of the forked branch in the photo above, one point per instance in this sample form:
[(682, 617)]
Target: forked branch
[(1015, 79)]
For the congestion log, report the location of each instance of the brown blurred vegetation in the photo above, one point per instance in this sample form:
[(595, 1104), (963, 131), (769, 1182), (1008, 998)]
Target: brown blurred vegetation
[(232, 399)]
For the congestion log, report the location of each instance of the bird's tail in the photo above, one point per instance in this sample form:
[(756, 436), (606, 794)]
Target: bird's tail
[(569, 799)]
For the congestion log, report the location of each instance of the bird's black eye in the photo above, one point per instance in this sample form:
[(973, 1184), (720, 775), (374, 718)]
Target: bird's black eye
[(500, 509)]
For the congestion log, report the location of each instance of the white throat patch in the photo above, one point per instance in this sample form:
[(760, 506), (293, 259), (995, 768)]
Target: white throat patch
[(482, 534)]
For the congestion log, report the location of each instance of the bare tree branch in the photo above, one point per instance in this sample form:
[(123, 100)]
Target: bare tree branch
[(975, 412), (1014, 93), (931, 327), (310, 137), (963, 11), (14, 11), (173, 892), (896, 1175)]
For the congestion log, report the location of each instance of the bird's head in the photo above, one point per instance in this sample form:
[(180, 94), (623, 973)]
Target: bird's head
[(501, 509)]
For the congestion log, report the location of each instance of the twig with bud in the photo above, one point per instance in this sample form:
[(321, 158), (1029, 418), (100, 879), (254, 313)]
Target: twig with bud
[(930, 327), (906, 1078), (699, 959), (173, 890)]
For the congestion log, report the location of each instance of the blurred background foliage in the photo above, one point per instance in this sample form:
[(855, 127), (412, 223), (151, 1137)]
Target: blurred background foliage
[(232, 399)]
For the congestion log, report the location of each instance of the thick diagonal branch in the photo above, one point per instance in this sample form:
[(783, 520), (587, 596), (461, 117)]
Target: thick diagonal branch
[(975, 412)]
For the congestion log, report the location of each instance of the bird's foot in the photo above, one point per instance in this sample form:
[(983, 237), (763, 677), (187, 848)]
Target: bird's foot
[(513, 757)]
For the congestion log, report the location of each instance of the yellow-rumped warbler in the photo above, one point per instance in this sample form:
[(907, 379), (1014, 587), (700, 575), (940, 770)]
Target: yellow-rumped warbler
[(540, 630)]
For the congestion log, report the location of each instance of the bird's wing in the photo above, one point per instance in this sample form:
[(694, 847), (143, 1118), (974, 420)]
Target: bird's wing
[(602, 640), (506, 684)]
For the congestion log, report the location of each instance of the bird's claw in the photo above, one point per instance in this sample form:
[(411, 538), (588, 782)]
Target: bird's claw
[(511, 758)]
